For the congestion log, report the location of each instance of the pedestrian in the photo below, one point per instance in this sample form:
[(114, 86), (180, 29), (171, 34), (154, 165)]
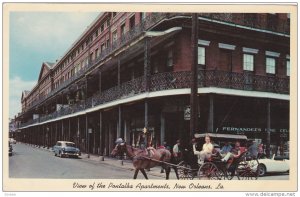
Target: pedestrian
[(177, 151), (260, 150), (253, 149), (206, 152)]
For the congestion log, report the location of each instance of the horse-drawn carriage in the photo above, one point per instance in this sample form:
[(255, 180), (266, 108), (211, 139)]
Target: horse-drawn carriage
[(245, 166)]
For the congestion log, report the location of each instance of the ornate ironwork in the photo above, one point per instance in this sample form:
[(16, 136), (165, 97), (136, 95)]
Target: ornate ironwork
[(176, 80), (243, 81)]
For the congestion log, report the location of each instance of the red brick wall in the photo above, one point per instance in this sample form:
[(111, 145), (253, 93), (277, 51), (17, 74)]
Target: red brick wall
[(183, 52)]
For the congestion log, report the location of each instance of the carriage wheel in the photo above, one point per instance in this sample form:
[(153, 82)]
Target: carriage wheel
[(209, 171), (247, 169), (183, 173)]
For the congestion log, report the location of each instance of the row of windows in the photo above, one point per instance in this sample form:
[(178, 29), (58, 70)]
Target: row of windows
[(249, 62)]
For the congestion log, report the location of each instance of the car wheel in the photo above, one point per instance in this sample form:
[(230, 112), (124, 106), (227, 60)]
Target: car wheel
[(261, 169)]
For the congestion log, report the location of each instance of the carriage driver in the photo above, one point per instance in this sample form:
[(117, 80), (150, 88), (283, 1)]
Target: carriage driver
[(206, 152)]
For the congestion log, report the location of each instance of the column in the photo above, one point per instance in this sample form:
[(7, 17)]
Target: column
[(100, 134), (162, 128), (87, 144), (62, 130), (147, 57), (119, 122), (194, 81), (78, 132), (56, 132), (210, 125), (268, 127), (146, 121), (99, 82), (69, 129)]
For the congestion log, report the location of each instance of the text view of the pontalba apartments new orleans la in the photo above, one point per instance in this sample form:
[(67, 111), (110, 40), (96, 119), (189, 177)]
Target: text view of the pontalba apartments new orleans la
[(137, 94)]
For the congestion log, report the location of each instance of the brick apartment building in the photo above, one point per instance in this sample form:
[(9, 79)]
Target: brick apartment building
[(130, 71)]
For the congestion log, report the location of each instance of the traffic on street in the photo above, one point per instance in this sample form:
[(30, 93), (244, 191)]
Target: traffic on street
[(32, 162)]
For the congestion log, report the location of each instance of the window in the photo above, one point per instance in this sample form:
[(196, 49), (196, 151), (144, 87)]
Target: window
[(115, 35), (102, 47), (107, 23), (287, 67), (143, 16), (132, 22), (201, 55), (248, 62), (114, 14), (96, 34), (270, 65), (123, 29), (170, 58), (91, 56), (107, 43), (96, 53), (102, 28)]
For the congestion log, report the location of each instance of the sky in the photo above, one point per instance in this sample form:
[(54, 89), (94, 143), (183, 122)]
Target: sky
[(37, 37)]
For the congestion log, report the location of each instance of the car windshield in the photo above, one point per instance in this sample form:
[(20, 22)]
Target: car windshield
[(70, 144)]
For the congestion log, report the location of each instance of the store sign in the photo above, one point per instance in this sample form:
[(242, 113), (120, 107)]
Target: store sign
[(241, 130), (187, 113)]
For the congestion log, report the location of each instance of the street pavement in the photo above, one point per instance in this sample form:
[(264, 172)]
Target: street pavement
[(32, 162)]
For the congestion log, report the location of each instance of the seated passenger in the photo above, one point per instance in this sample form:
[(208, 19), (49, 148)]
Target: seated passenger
[(234, 153), (206, 152)]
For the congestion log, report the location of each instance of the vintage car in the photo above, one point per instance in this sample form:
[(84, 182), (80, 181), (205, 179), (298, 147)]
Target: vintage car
[(66, 149), (267, 165), (10, 149), (12, 140)]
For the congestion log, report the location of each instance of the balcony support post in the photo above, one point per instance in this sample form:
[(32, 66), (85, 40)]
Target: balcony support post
[(62, 130), (101, 145), (99, 82), (211, 114), (87, 136), (268, 127), (194, 81), (69, 127), (146, 123), (147, 64), (119, 122)]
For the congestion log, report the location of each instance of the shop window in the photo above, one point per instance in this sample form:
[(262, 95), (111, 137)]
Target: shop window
[(248, 62), (170, 58), (201, 55), (288, 68), (270, 65)]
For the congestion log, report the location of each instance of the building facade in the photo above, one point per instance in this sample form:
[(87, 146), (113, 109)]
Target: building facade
[(129, 75)]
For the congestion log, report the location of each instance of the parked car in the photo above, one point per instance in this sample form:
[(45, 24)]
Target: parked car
[(10, 149), (65, 148), (12, 140), (267, 165)]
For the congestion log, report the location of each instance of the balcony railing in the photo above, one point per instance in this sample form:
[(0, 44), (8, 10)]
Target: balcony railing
[(249, 20), (243, 81), (175, 80)]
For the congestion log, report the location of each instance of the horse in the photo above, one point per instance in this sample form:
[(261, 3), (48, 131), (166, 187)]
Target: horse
[(141, 159)]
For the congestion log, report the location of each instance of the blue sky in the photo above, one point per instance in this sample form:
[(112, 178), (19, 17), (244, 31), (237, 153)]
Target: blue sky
[(37, 37)]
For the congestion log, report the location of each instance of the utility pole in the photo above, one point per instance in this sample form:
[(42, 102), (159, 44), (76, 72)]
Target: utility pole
[(194, 81)]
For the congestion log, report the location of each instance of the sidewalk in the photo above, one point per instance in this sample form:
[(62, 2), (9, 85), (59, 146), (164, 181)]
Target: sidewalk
[(124, 164)]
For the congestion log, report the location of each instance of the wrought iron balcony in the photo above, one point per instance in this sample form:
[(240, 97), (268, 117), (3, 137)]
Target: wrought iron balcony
[(243, 81), (176, 80)]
